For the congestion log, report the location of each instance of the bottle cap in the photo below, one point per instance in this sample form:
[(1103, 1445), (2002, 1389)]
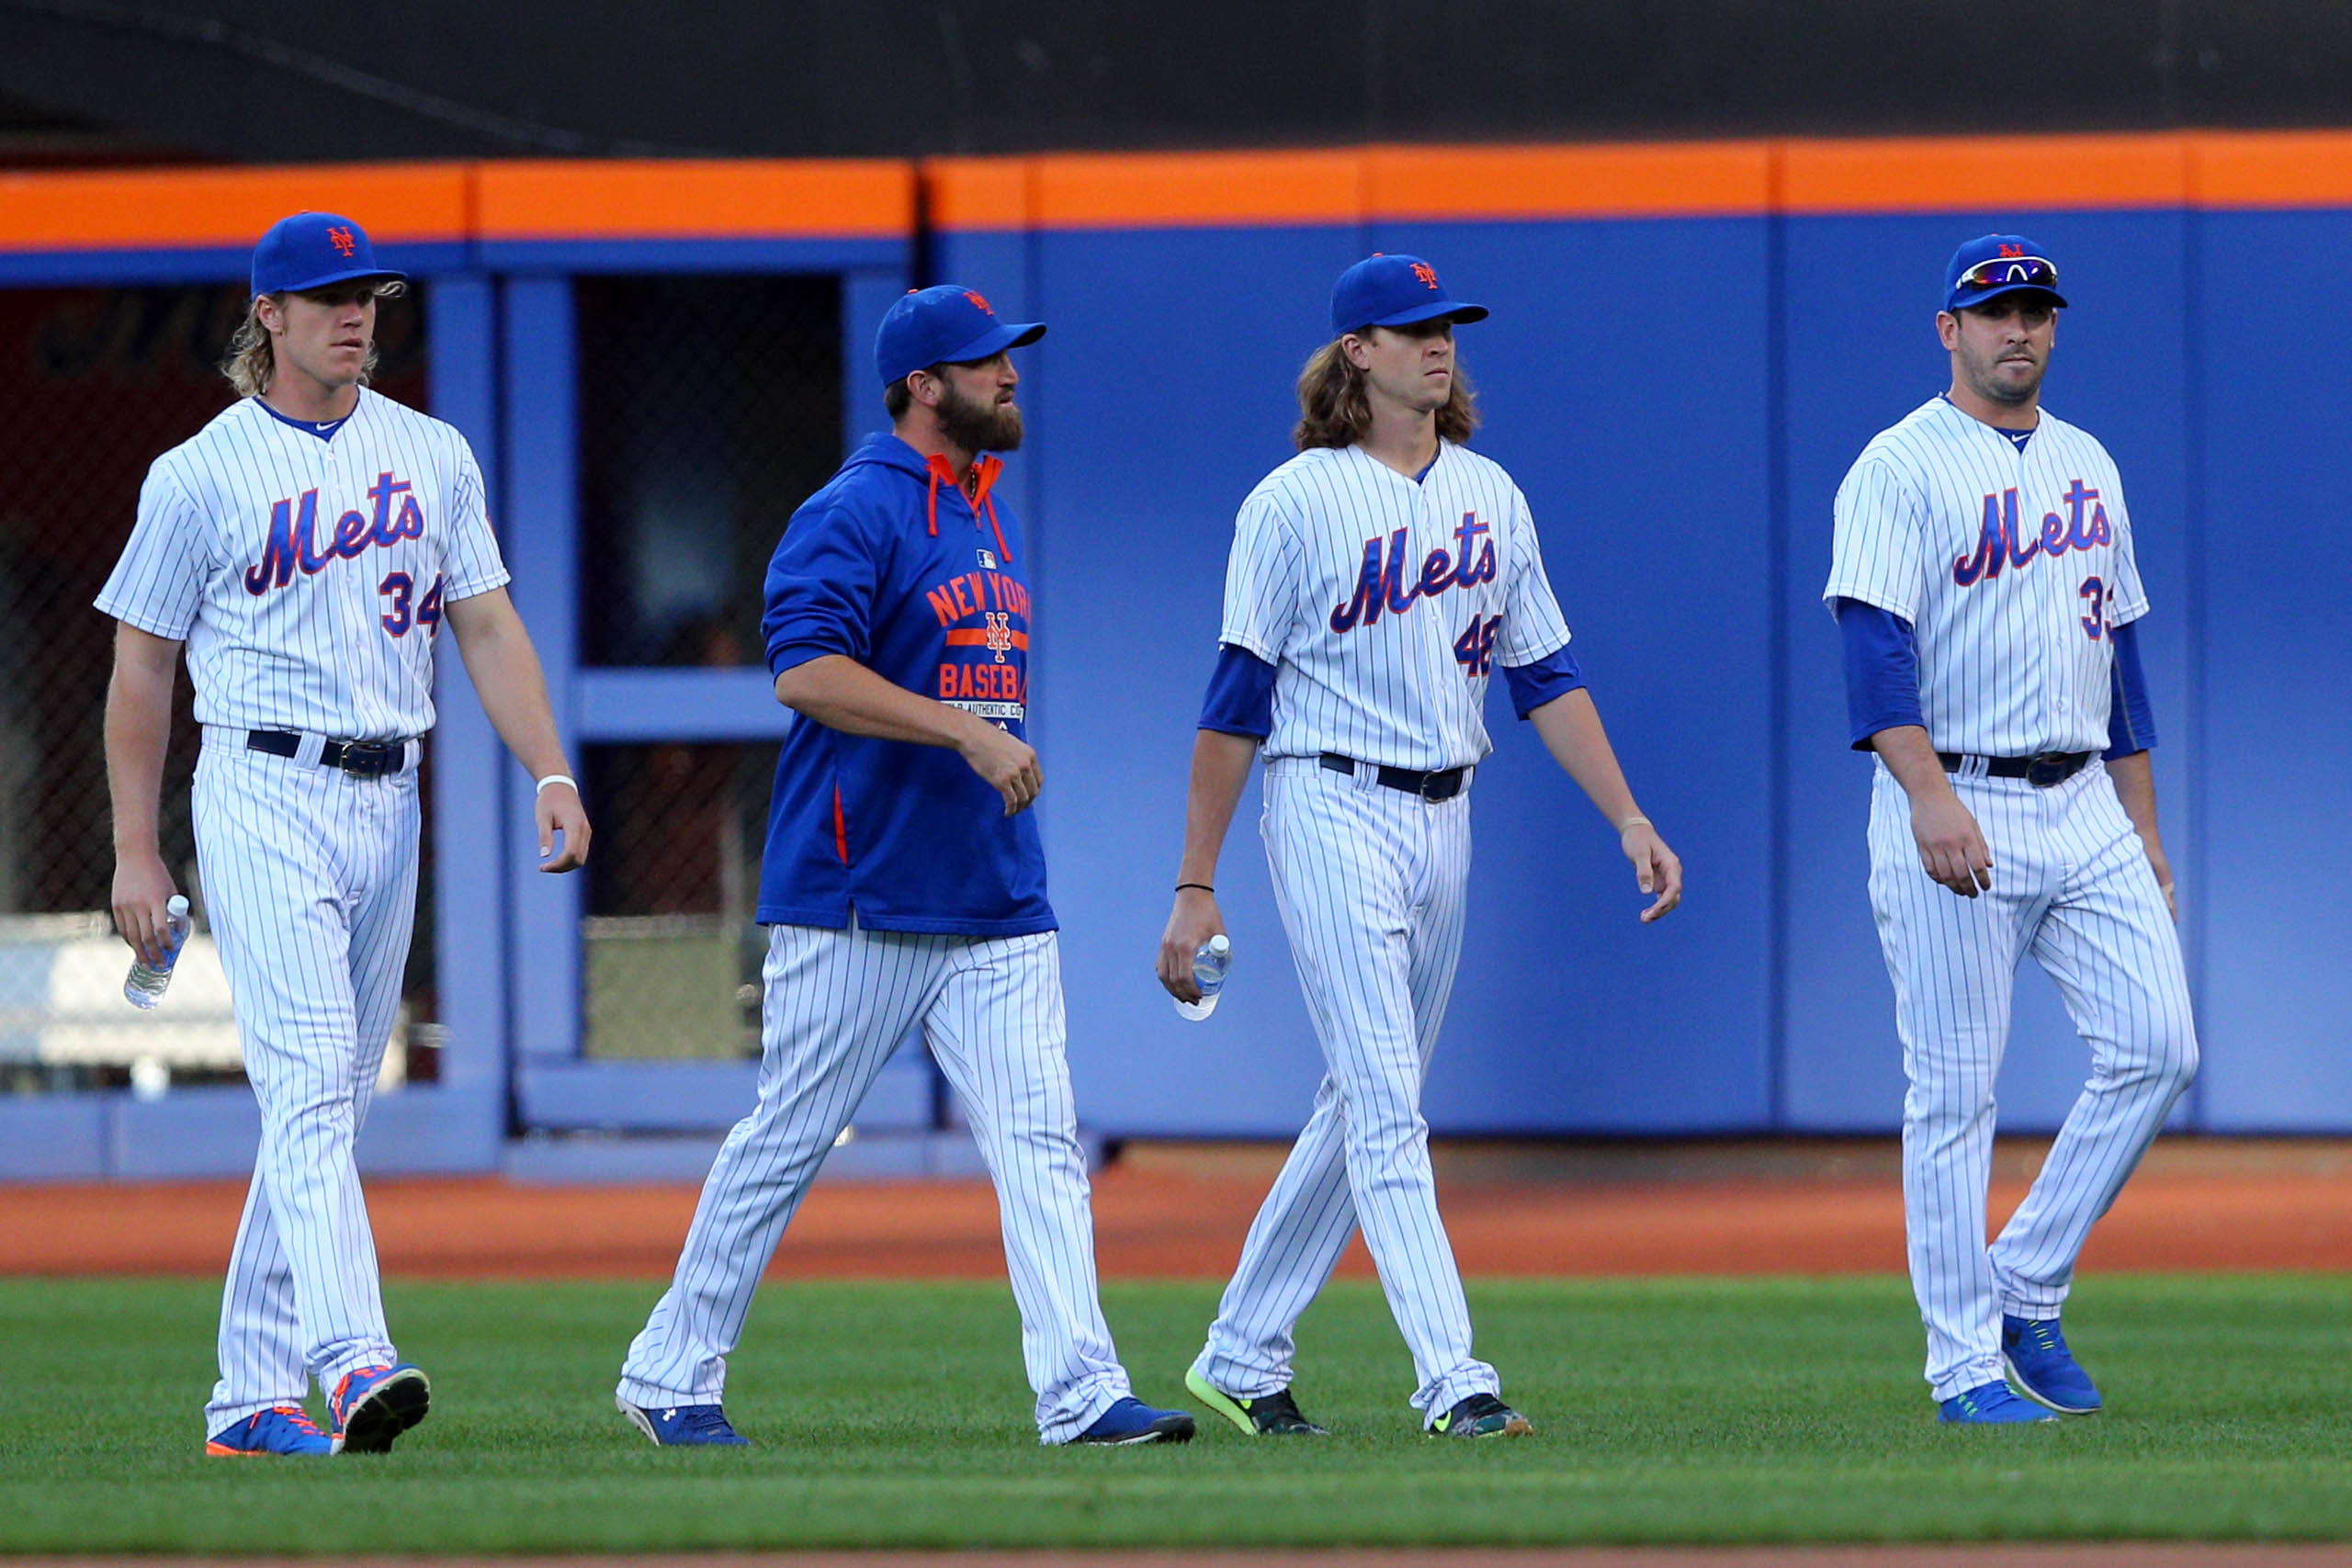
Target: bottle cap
[(178, 904), (1219, 943)]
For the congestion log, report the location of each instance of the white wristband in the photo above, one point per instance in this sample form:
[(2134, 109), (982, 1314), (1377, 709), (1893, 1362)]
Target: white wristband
[(557, 778), (1631, 823)]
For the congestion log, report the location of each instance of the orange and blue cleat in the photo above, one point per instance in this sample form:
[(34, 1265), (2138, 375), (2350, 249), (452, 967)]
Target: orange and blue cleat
[(283, 1429), (375, 1404)]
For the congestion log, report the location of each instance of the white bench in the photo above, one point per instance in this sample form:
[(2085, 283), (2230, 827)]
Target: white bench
[(61, 1005)]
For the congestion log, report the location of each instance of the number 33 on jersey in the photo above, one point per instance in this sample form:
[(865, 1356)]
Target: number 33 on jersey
[(2013, 565)]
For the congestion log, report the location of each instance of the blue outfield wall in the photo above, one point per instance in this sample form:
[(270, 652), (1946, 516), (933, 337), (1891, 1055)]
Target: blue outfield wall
[(2274, 557), (1680, 399)]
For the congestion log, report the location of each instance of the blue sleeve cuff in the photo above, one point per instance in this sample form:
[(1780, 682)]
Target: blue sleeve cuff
[(1531, 685), (1240, 698), (2130, 721), (1881, 670)]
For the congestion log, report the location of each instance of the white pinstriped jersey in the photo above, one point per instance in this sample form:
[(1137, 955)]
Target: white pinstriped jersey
[(1386, 604), (2012, 567), (307, 576)]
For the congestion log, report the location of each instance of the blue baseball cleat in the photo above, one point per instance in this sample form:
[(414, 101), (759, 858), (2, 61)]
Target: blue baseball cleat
[(284, 1430), (1991, 1404), (375, 1404), (1132, 1421), (2034, 1351), (683, 1426)]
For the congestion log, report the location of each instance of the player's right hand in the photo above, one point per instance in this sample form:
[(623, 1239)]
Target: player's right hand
[(1007, 762), (141, 889), (1193, 921), (1952, 847)]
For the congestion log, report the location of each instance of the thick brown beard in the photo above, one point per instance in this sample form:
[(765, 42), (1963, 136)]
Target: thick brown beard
[(976, 427)]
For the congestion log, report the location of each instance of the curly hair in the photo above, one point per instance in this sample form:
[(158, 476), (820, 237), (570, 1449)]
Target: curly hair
[(1333, 410), (248, 363)]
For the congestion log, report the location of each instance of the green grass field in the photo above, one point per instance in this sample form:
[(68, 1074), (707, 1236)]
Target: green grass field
[(896, 1415)]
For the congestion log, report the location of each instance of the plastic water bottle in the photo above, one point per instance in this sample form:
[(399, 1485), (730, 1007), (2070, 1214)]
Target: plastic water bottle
[(1210, 966), (144, 987)]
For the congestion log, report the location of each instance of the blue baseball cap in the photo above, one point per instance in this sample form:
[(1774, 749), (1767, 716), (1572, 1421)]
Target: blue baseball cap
[(311, 250), (1994, 264), (947, 323), (1394, 291)]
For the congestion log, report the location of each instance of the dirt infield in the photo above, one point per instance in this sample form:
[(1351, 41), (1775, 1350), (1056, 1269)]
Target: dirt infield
[(1177, 1210)]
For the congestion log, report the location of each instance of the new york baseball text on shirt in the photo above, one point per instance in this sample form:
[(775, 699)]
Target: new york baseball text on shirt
[(996, 601), (1381, 585)]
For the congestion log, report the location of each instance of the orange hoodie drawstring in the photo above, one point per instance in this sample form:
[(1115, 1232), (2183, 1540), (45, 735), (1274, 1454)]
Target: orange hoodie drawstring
[(985, 469)]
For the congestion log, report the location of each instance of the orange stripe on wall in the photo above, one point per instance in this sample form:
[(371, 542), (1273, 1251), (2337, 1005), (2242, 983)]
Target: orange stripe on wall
[(972, 194), (690, 199), (2258, 169), (172, 209), (1983, 174), (1667, 179), (1204, 189), (159, 209)]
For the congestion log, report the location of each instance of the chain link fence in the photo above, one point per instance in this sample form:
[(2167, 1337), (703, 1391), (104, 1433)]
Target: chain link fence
[(95, 384), (709, 408)]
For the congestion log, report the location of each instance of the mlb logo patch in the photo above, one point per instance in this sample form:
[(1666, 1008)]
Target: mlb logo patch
[(987, 561)]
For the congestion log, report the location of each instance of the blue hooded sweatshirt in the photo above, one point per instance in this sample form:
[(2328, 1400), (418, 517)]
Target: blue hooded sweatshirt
[(892, 564)]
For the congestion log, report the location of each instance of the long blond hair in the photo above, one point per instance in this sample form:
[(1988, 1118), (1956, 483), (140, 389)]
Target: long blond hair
[(1334, 411), (249, 365)]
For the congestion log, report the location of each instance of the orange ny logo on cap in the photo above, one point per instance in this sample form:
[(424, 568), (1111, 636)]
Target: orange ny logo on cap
[(342, 240), (976, 299), (1425, 273), (2013, 249)]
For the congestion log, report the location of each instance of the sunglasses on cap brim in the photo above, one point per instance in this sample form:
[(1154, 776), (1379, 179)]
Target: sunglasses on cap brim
[(2010, 272)]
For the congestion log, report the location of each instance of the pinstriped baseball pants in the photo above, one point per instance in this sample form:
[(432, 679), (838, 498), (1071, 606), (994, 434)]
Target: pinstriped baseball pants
[(310, 884), (837, 1004), (2072, 888), (1371, 885)]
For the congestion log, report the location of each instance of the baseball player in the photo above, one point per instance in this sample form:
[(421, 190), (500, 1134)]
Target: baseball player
[(1985, 586), (305, 547), (1375, 581), (904, 884)]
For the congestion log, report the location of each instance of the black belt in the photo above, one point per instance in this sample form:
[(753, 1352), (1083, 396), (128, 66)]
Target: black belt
[(2049, 768), (370, 758), (1442, 785)]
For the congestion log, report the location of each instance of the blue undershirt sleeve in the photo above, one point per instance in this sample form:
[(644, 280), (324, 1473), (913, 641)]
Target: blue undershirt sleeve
[(1240, 698), (1531, 685), (1881, 670), (2130, 722)]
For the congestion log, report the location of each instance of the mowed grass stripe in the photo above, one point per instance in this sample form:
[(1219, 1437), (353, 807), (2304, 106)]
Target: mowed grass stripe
[(1703, 1410)]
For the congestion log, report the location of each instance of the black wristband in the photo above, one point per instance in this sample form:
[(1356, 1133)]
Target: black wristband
[(1202, 886)]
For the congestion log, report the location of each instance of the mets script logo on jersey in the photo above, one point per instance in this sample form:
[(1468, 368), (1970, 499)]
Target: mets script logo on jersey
[(1998, 542), (293, 530), (1382, 585)]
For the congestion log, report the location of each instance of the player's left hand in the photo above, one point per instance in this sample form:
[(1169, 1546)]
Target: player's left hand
[(1655, 868), (2163, 868), (559, 810), (1193, 921)]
